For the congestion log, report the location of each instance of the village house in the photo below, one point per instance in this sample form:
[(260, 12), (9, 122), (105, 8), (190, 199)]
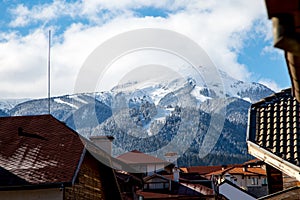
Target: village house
[(249, 178), (160, 179), (41, 158), (143, 163), (159, 186)]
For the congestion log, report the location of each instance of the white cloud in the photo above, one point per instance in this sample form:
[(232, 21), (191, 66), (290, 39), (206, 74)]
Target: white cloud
[(42, 13), (271, 84), (219, 27), (272, 52)]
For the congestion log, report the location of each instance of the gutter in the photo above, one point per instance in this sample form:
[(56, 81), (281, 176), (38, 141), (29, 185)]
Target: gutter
[(273, 160), (60, 185), (78, 166)]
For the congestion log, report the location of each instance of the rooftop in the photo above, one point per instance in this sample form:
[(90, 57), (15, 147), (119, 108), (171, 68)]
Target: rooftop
[(37, 150), (137, 157), (274, 130)]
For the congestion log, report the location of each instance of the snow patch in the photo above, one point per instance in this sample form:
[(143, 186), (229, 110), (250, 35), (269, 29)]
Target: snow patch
[(196, 93), (67, 103), (247, 99), (77, 98)]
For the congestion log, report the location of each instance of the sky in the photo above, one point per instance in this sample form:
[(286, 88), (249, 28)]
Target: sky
[(235, 34)]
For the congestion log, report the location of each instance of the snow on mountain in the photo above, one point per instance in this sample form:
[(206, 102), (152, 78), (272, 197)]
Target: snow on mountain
[(156, 110), (7, 104), (60, 101), (250, 91)]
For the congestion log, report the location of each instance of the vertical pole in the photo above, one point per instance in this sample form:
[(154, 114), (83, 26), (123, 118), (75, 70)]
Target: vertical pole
[(49, 46)]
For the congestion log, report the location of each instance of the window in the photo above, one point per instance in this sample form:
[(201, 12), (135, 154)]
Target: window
[(264, 181), (254, 181)]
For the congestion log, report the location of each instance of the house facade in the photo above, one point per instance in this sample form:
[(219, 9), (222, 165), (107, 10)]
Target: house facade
[(250, 177), (143, 163)]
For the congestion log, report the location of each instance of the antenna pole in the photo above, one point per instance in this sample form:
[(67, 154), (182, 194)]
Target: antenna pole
[(49, 46)]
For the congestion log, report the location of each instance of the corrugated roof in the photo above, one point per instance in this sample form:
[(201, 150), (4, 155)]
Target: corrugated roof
[(137, 157), (37, 150)]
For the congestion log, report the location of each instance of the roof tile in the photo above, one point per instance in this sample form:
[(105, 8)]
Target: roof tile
[(46, 151), (274, 126)]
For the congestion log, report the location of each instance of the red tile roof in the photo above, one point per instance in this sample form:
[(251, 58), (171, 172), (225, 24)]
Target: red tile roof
[(137, 157), (253, 171), (253, 161), (249, 171), (38, 150), (202, 169)]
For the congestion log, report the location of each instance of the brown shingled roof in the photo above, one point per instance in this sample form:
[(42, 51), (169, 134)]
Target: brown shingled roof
[(37, 150)]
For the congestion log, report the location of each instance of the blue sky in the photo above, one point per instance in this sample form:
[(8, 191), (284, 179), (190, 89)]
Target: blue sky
[(235, 34)]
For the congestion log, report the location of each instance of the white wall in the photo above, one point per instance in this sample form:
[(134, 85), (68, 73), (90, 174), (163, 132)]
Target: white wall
[(42, 194), (151, 168)]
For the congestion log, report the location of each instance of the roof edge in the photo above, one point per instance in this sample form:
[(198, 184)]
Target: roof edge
[(279, 192), (273, 160), (237, 187), (36, 186), (79, 165)]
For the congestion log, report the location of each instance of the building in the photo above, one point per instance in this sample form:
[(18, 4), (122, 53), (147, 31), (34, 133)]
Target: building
[(285, 16), (274, 137), (232, 191), (201, 170), (41, 158), (159, 186), (273, 132), (143, 163), (250, 176), (161, 179)]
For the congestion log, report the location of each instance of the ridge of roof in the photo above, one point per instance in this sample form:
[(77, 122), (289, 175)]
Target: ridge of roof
[(137, 157)]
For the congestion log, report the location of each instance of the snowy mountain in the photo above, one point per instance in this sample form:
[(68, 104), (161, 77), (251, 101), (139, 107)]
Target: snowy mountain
[(7, 104), (180, 113)]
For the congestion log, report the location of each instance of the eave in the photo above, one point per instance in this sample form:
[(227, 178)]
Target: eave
[(273, 160)]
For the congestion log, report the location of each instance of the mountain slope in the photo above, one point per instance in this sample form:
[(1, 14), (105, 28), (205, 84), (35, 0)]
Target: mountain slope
[(179, 113)]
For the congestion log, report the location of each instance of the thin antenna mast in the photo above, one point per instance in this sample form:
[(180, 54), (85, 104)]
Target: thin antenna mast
[(49, 46)]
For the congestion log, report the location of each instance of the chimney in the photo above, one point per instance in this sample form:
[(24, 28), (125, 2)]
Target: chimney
[(103, 142), (176, 174), (172, 157)]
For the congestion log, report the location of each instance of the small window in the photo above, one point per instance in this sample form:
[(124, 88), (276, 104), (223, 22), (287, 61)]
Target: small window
[(264, 181), (254, 181)]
